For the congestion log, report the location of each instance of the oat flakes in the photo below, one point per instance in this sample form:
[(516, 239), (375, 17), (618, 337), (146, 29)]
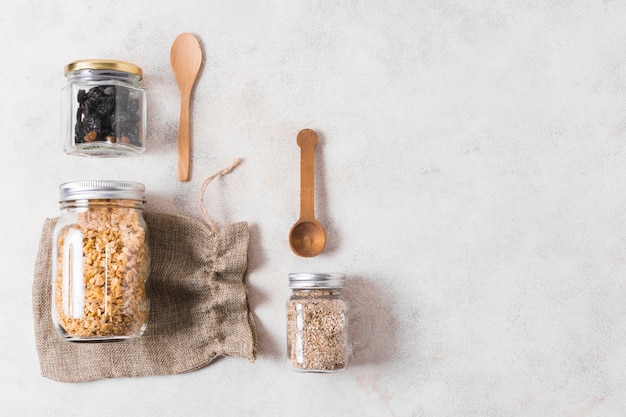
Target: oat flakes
[(316, 331)]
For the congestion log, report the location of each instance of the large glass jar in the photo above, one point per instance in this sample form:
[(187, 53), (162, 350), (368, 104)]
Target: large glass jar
[(100, 262), (103, 109), (317, 323)]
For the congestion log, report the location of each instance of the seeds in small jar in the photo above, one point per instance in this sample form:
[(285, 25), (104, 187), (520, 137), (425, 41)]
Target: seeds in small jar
[(316, 331), (107, 296)]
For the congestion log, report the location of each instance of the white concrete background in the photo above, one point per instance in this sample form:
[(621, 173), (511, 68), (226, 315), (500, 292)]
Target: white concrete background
[(470, 176)]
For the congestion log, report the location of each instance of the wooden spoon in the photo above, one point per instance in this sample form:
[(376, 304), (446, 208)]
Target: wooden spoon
[(307, 236), (186, 58)]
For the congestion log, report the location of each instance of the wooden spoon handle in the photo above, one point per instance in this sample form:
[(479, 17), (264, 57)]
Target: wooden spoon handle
[(183, 138), (307, 139)]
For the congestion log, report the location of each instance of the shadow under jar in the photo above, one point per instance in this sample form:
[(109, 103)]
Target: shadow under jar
[(100, 262), (103, 109)]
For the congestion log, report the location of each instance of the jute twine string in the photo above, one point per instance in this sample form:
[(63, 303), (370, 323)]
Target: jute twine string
[(206, 183)]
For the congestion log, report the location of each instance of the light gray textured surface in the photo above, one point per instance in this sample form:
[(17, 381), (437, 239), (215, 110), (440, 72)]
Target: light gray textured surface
[(470, 178)]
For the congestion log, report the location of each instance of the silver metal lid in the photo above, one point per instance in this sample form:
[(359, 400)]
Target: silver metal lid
[(101, 189), (300, 280)]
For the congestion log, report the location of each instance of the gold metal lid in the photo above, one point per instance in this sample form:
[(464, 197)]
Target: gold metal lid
[(103, 64)]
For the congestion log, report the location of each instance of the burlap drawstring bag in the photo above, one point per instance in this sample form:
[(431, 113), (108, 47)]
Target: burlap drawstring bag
[(199, 304)]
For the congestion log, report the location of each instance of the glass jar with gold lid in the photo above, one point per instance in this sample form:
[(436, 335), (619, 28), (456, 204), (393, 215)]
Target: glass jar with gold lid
[(103, 109)]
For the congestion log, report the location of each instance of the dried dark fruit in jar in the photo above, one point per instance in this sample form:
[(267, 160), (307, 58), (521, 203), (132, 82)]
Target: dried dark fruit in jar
[(106, 114), (104, 109)]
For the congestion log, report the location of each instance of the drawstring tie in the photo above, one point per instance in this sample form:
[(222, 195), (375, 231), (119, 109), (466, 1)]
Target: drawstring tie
[(206, 183)]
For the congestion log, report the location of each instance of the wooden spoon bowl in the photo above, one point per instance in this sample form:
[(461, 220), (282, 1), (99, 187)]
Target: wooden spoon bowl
[(307, 238)]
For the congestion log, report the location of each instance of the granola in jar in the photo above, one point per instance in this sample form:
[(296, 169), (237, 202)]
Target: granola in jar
[(100, 262)]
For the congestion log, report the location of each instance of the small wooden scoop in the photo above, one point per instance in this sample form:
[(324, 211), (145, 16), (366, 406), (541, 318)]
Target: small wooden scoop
[(307, 236), (186, 58)]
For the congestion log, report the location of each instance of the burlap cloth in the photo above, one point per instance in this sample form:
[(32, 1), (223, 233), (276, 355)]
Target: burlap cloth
[(199, 306)]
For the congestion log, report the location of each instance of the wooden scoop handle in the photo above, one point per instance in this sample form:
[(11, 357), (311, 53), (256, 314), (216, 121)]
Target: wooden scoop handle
[(307, 139)]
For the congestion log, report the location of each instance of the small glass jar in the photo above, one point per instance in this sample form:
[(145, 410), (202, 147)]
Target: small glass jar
[(103, 109), (100, 262), (317, 323)]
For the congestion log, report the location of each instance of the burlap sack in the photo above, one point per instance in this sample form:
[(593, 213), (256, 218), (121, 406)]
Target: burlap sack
[(199, 306)]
